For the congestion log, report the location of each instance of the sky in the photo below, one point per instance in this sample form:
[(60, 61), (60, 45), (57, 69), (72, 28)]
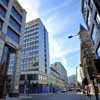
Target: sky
[(61, 19)]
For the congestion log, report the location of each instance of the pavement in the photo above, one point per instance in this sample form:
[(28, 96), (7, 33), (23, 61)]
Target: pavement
[(58, 96)]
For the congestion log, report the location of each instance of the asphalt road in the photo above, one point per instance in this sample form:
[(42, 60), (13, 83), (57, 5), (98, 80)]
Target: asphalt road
[(59, 97)]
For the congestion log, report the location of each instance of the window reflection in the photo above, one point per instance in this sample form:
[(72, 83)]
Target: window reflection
[(98, 52), (94, 34)]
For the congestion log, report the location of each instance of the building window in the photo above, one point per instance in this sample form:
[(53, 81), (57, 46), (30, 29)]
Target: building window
[(2, 11), (85, 4), (36, 69), (89, 19), (35, 77), (30, 77), (94, 34), (98, 19), (5, 2), (16, 14), (98, 52), (36, 64), (5, 54), (15, 24), (22, 77), (11, 62), (91, 5), (1, 24), (13, 35)]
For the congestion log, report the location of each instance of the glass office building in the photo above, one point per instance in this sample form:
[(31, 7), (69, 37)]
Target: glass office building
[(35, 58)]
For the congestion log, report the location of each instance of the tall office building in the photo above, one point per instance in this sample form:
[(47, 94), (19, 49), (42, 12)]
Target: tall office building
[(12, 19), (35, 57)]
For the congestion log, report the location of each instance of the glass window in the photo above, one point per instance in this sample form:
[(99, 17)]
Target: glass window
[(85, 4), (89, 19), (13, 35), (94, 34), (1, 23), (16, 14), (5, 2), (16, 25), (30, 77), (36, 69), (2, 11), (98, 52), (35, 76), (98, 19), (36, 64), (91, 5), (5, 54), (22, 77), (11, 61)]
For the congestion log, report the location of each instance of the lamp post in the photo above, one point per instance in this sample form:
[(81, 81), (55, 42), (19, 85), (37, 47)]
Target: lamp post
[(93, 76)]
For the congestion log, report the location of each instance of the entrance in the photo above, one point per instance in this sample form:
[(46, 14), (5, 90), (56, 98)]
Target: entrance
[(4, 68)]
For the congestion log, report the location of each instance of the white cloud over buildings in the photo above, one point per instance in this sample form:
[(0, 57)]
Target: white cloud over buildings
[(56, 24)]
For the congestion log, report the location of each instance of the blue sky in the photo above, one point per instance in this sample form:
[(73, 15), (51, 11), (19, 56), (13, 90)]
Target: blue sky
[(61, 18)]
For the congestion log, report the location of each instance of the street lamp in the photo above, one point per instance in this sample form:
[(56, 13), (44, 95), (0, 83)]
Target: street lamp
[(71, 36)]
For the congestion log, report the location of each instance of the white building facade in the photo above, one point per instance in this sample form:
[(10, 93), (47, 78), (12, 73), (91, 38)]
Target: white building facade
[(58, 79)]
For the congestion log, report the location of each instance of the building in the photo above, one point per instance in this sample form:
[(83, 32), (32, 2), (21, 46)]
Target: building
[(58, 79), (87, 57), (72, 79), (91, 14), (12, 19), (35, 58)]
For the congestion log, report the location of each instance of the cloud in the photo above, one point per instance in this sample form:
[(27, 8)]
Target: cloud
[(58, 27), (58, 21), (55, 9), (31, 7), (56, 24)]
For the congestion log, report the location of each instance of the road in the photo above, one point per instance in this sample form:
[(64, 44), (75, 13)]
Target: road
[(58, 97)]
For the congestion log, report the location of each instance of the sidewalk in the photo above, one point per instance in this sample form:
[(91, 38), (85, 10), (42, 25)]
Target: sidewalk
[(50, 94), (14, 98), (17, 98), (24, 96)]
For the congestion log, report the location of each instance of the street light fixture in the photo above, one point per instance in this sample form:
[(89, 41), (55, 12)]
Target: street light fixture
[(71, 36)]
